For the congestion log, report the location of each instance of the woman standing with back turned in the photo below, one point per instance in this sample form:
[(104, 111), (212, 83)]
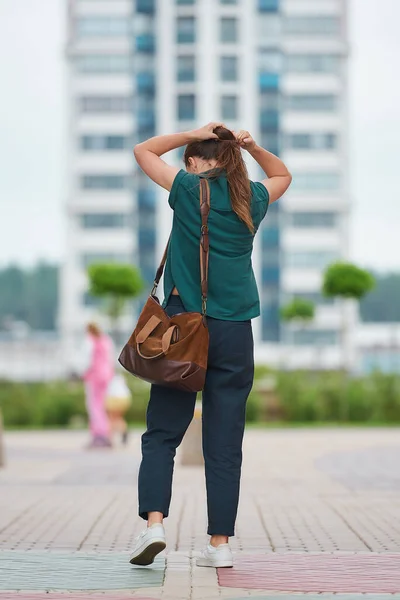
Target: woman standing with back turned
[(237, 208)]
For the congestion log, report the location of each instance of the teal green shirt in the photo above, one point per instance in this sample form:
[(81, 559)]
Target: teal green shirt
[(232, 288)]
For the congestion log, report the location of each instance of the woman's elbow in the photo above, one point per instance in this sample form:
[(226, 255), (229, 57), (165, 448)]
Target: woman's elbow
[(137, 151)]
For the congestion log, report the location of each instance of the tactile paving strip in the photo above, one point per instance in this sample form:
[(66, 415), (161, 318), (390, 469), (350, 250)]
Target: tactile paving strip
[(46, 571)]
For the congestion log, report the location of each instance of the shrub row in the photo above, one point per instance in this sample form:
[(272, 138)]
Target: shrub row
[(297, 397)]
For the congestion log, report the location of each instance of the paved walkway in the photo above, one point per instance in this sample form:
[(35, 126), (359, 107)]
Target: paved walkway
[(319, 514)]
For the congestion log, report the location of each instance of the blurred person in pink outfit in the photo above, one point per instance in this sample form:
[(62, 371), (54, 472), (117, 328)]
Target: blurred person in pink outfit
[(97, 375)]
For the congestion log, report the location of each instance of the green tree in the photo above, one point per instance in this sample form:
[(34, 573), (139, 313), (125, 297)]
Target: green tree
[(348, 282), (298, 309), (116, 283)]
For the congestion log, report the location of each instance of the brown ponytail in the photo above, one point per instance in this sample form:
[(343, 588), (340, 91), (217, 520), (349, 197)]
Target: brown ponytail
[(226, 151)]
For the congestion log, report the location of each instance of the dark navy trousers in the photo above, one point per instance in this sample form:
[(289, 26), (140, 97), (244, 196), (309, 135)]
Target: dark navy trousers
[(229, 380)]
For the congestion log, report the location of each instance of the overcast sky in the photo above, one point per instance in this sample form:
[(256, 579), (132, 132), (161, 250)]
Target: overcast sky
[(33, 131)]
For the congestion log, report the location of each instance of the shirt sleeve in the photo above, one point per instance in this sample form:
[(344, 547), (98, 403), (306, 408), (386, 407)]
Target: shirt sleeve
[(184, 183), (261, 197)]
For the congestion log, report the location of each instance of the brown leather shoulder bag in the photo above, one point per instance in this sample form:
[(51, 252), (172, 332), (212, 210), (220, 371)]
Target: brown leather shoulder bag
[(173, 351)]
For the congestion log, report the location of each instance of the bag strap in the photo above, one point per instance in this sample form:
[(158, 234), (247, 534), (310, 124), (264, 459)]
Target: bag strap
[(204, 247), (204, 242)]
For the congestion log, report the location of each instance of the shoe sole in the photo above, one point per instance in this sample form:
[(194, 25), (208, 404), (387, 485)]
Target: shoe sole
[(222, 564), (147, 556)]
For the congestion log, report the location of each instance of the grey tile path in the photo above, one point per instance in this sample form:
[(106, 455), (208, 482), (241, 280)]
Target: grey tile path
[(366, 469), (303, 492)]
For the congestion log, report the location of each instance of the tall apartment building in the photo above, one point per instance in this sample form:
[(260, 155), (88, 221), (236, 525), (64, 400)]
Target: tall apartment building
[(274, 67)]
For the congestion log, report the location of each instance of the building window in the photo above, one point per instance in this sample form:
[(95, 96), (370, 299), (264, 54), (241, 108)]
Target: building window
[(103, 142), (268, 5), (185, 2), (229, 30), (147, 199), (186, 107), (103, 220), (146, 82), (312, 141), (269, 100), (145, 42), (145, 6), (306, 337), (269, 27), (316, 259), (270, 140), (228, 1), (103, 63), (329, 181), (91, 301), (229, 68), (91, 258), (186, 30), (270, 61), (103, 26), (320, 102), (104, 182), (185, 66), (313, 219), (327, 25), (312, 63), (229, 107), (106, 104)]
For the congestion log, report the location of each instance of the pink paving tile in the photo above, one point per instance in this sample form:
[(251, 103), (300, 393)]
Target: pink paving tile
[(357, 573)]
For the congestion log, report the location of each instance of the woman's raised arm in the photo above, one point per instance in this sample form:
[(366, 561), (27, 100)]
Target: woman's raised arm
[(148, 153), (279, 178)]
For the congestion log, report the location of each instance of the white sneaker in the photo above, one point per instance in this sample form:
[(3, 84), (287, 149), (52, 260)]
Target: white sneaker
[(148, 544), (216, 557)]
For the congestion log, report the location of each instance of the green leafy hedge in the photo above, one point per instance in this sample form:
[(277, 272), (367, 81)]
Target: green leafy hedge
[(298, 397)]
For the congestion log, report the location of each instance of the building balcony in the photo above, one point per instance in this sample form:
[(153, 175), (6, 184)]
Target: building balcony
[(145, 82), (145, 43)]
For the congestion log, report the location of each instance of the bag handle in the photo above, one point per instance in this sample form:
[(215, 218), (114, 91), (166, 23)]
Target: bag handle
[(204, 247)]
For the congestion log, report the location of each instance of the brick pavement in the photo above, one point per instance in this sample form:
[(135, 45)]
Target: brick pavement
[(319, 512)]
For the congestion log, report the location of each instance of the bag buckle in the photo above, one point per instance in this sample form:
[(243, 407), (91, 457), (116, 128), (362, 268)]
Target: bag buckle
[(203, 305)]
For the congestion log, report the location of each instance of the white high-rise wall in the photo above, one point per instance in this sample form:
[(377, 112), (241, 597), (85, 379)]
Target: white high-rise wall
[(100, 87), (303, 43)]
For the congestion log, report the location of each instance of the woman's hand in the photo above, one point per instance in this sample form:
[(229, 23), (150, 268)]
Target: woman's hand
[(206, 132), (245, 140)]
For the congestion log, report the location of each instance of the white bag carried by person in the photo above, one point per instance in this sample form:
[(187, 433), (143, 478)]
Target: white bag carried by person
[(118, 395)]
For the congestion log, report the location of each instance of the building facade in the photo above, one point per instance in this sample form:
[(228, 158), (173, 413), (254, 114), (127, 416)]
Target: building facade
[(274, 67)]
